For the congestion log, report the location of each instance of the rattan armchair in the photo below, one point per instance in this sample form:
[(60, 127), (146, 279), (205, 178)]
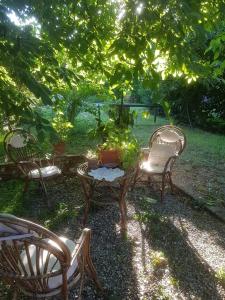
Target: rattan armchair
[(40, 264), (165, 146), (23, 149)]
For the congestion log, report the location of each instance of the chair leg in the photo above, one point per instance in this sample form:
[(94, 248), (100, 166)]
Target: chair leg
[(26, 184), (171, 183), (15, 294), (135, 179), (163, 187), (92, 272), (64, 287), (45, 192), (88, 190)]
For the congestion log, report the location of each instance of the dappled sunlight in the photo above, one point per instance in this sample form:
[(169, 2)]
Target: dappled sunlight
[(148, 166), (140, 8), (177, 248), (156, 255), (113, 92), (210, 235)]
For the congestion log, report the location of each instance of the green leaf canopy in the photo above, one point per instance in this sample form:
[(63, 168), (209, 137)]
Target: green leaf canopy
[(60, 42)]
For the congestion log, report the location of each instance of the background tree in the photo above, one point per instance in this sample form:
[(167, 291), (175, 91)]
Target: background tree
[(119, 41)]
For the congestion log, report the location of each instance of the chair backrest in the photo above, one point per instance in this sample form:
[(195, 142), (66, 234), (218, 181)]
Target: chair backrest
[(162, 156), (170, 135), (20, 145), (160, 153), (29, 254)]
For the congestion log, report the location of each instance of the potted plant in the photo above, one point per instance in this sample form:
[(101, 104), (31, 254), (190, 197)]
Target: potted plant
[(109, 155), (120, 148), (62, 129)]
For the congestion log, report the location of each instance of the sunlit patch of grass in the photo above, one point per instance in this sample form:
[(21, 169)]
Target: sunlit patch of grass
[(220, 276), (174, 281), (146, 217), (160, 294), (59, 215), (144, 128), (158, 259), (209, 147), (12, 199), (147, 202)]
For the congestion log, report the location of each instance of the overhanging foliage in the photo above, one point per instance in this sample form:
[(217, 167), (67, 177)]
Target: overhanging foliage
[(118, 41)]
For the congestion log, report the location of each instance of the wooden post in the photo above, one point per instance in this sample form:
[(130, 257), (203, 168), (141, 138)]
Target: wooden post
[(155, 114)]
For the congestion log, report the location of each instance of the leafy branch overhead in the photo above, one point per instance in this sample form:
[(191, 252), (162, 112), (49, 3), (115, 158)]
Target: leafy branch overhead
[(46, 46)]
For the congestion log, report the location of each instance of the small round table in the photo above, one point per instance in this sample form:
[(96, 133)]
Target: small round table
[(119, 188)]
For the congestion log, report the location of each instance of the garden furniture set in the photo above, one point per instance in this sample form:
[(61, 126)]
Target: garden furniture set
[(165, 145), (40, 263)]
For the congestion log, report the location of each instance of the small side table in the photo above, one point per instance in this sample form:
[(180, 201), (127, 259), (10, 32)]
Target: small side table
[(90, 183)]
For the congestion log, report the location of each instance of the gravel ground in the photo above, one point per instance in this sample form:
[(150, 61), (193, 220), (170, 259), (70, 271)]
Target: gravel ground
[(189, 243), (170, 252)]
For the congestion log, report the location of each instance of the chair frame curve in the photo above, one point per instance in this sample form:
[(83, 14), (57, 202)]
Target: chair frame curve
[(36, 284)]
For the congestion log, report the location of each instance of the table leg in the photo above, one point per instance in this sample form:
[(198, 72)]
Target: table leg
[(123, 205), (136, 177), (88, 189)]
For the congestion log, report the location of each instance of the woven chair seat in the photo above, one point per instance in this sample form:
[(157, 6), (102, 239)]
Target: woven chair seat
[(48, 171), (148, 167), (53, 264)]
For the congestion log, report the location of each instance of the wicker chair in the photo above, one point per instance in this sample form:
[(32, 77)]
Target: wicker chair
[(22, 148), (165, 145), (40, 264)]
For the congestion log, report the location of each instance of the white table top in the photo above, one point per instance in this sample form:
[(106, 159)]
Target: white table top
[(108, 174)]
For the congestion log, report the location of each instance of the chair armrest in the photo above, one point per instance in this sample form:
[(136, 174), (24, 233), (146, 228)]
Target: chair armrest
[(15, 237), (83, 243), (170, 162), (144, 153)]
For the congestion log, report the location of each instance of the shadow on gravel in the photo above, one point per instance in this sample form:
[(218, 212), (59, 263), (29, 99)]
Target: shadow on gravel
[(190, 271), (204, 220), (193, 275), (111, 253)]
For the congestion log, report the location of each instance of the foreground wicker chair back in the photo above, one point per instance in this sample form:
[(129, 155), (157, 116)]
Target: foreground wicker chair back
[(22, 148), (165, 145), (38, 262)]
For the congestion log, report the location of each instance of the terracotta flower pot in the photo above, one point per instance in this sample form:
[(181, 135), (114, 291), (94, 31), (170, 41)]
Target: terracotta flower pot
[(59, 148), (109, 157)]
